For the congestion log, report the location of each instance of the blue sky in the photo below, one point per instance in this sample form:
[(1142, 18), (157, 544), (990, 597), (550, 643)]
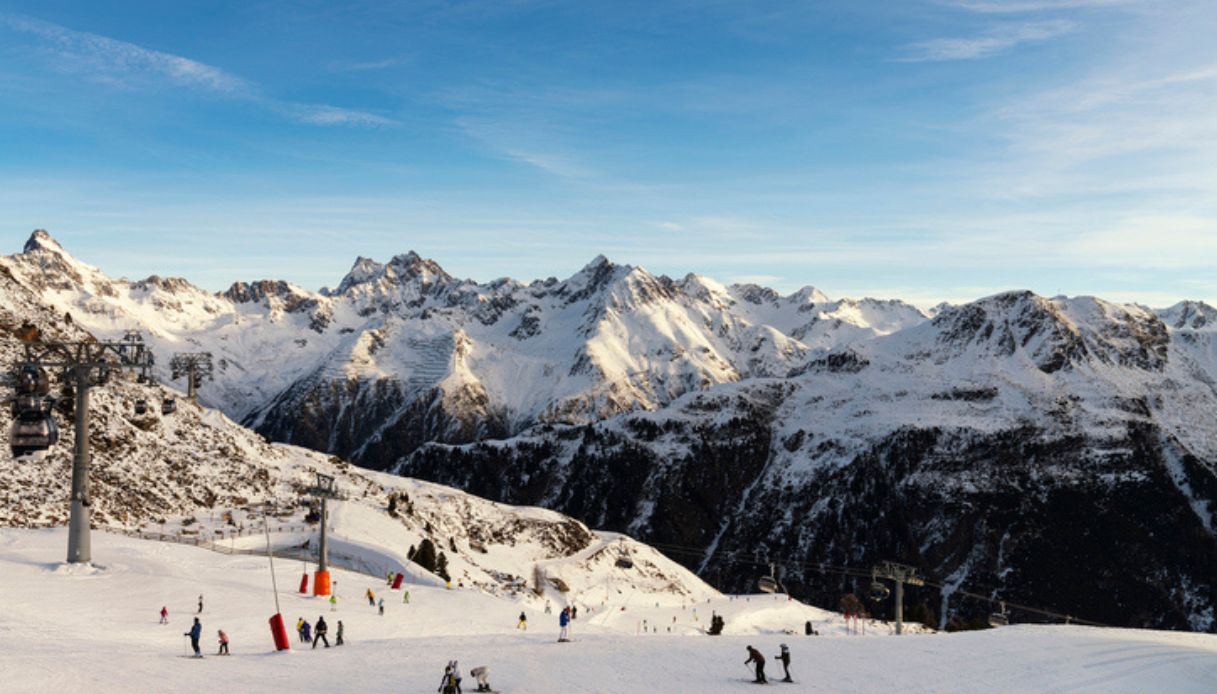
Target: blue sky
[(925, 149)]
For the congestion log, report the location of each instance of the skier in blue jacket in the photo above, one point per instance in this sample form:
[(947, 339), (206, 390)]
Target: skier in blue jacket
[(195, 633), (563, 622)]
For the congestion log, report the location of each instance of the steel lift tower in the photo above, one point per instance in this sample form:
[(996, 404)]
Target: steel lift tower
[(84, 365), (195, 366), (323, 491)]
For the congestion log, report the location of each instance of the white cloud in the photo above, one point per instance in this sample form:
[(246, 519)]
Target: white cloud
[(1019, 6), (127, 65), (997, 39), (321, 114)]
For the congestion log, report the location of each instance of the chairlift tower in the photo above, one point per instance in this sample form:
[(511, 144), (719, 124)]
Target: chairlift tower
[(323, 491), (900, 574), (194, 366), (85, 365)]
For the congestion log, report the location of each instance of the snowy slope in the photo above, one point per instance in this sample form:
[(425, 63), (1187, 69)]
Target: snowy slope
[(70, 629)]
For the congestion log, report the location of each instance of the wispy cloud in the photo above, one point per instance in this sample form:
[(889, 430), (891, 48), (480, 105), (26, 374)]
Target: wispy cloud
[(323, 114), (997, 39), (365, 66), (1020, 6), (129, 66), (117, 61)]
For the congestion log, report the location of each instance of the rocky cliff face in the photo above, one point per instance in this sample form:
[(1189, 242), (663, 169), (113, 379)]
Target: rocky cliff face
[(1057, 452)]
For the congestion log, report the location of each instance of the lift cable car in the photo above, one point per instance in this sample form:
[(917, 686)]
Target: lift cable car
[(169, 406), (878, 591), (769, 584), (624, 561), (1000, 619), (141, 406), (33, 430)]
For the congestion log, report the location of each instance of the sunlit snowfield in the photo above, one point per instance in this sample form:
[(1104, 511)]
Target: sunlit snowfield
[(82, 629)]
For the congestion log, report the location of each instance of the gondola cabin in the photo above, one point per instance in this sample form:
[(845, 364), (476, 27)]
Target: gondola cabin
[(169, 406), (767, 584), (33, 430), (998, 619), (141, 407), (879, 592)]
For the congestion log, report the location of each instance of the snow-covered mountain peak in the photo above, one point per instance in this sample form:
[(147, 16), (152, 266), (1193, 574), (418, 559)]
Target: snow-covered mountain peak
[(807, 296), (1190, 315), (41, 240)]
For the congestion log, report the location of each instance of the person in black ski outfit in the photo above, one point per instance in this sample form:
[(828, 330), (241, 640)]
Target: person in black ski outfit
[(200, 603), (451, 684), (754, 656), (195, 633), (338, 641), (784, 659), (320, 631)]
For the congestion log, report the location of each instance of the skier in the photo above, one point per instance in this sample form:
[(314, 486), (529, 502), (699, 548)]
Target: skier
[(200, 603), (548, 609), (382, 607), (195, 633), (405, 597), (371, 598), (574, 612), (338, 641), (300, 629), (389, 578), (307, 632), (333, 603), (523, 623), (451, 684), (807, 628), (784, 659), (754, 656), (223, 643), (482, 675), (164, 615), (320, 631), (563, 624)]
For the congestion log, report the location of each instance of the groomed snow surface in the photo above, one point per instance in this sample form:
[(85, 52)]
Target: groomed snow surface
[(95, 629)]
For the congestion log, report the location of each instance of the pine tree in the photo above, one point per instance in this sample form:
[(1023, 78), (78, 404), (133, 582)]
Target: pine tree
[(425, 556), (441, 567)]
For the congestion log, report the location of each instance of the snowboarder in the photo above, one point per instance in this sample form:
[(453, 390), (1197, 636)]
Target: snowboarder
[(164, 615), (223, 643), (200, 603), (371, 598), (451, 684), (482, 675), (300, 629), (784, 659), (382, 607), (338, 641), (195, 633), (754, 656), (563, 624), (320, 631), (523, 623), (333, 603), (306, 631)]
